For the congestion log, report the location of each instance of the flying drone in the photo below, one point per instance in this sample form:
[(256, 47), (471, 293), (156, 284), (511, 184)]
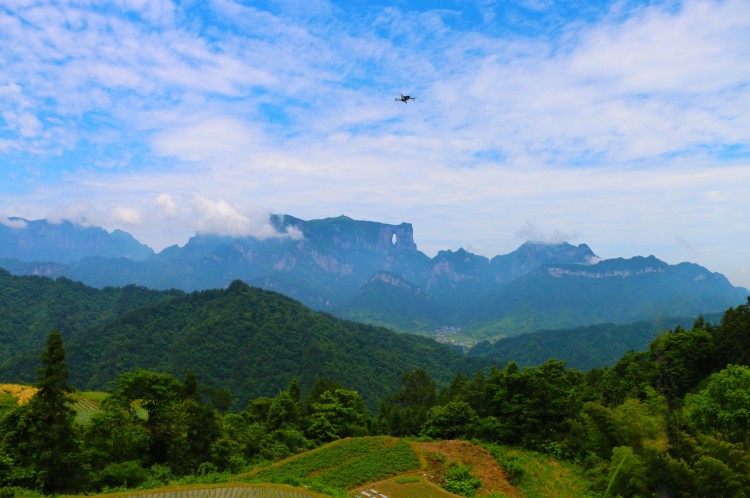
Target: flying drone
[(405, 98)]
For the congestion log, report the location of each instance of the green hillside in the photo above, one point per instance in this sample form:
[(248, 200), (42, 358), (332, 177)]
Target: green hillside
[(613, 291), (583, 348), (392, 302), (254, 342), (30, 307)]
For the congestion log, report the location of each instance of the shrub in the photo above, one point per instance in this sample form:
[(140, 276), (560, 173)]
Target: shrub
[(127, 474), (459, 480)]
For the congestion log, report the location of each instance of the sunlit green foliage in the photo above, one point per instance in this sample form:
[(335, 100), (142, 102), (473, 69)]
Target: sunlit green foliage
[(460, 480), (722, 407), (344, 464)]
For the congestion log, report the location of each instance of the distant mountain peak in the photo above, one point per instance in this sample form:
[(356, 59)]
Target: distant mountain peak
[(545, 243), (347, 233), (65, 241)]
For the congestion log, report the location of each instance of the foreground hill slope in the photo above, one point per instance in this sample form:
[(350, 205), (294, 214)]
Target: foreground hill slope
[(254, 342), (394, 467)]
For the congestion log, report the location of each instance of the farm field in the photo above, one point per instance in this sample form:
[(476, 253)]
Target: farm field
[(343, 464), (238, 490), (377, 467), (21, 393), (400, 487), (85, 403)]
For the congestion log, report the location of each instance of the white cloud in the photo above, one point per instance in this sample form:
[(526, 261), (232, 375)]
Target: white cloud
[(530, 232), (168, 205), (208, 139), (217, 216), (126, 215)]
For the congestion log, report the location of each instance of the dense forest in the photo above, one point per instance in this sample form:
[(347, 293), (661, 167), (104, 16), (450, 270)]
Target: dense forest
[(583, 348), (32, 306), (670, 421), (248, 340)]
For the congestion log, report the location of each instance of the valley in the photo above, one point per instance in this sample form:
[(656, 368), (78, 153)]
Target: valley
[(373, 273)]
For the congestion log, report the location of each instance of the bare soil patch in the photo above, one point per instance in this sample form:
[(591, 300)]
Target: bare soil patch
[(483, 465)]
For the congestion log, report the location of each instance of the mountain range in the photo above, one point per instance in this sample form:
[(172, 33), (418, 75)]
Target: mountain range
[(373, 272)]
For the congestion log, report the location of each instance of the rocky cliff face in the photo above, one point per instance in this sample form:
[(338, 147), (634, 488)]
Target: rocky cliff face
[(348, 234), (532, 255)]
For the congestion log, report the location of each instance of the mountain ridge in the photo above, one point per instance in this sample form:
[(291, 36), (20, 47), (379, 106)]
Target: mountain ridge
[(329, 265)]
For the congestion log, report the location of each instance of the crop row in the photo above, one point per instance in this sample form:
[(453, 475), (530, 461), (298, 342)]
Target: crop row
[(331, 456), (345, 465), (387, 461), (224, 492)]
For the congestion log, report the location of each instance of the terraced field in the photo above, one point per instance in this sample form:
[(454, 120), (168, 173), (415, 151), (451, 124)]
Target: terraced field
[(220, 491), (403, 488), (342, 465), (387, 467), (21, 392), (84, 403)]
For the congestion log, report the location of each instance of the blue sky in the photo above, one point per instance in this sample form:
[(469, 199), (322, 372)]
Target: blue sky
[(622, 124)]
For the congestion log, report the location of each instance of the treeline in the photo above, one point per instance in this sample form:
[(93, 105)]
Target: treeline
[(670, 421)]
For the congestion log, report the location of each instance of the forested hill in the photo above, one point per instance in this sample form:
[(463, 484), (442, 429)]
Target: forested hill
[(582, 348), (30, 307), (254, 342)]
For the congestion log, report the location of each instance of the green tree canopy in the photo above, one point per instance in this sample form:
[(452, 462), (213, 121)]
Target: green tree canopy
[(722, 408), (43, 437), (455, 420)]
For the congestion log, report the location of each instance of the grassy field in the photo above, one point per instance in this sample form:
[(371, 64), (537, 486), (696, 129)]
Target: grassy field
[(541, 476)]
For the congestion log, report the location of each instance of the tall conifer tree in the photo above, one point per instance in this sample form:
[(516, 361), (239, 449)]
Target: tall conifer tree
[(46, 441)]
